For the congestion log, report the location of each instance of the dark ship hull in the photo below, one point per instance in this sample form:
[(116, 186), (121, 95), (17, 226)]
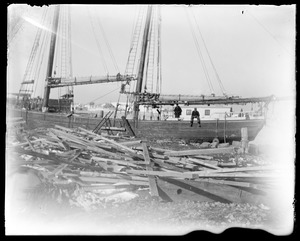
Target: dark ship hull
[(151, 129)]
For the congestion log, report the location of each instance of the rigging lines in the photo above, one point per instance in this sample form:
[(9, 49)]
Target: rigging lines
[(97, 42), (268, 32), (217, 75), (98, 28), (200, 54), (29, 78)]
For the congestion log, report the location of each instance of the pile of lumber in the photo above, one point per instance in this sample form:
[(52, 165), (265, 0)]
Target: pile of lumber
[(15, 125), (99, 161)]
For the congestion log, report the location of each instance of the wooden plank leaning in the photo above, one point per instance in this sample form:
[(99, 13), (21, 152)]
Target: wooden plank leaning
[(152, 179)]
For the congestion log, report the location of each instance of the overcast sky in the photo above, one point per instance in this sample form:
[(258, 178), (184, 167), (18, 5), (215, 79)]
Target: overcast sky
[(252, 48)]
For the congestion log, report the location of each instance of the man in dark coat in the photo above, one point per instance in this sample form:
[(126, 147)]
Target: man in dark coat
[(195, 114), (177, 111)]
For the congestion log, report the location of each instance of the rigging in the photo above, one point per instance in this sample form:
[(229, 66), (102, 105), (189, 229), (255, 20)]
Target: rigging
[(210, 59), (97, 41), (200, 54)]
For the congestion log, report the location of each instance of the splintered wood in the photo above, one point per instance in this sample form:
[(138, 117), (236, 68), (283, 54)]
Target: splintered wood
[(90, 160)]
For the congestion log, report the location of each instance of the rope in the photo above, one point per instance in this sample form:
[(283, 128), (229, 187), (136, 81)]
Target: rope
[(29, 75), (159, 77), (103, 95), (97, 42), (47, 39), (40, 59), (218, 78), (200, 54), (268, 32), (108, 46)]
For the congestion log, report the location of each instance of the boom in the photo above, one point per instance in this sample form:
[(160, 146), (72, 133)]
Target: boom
[(156, 99), (62, 82)]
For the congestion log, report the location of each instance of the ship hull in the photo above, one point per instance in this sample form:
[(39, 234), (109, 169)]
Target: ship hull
[(151, 129)]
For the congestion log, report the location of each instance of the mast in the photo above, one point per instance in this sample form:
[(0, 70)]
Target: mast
[(51, 55), (142, 64)]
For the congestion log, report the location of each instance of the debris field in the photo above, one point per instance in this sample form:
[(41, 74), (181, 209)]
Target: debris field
[(90, 171)]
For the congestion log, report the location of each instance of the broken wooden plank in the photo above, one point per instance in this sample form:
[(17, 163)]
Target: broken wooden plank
[(152, 179), (104, 152), (31, 146), (204, 163), (115, 155), (66, 154), (116, 186), (123, 147), (119, 162), (88, 132), (168, 166), (128, 126), (65, 144), (197, 174), (200, 151), (163, 174), (59, 169), (204, 157), (131, 143), (111, 167), (241, 169), (113, 180)]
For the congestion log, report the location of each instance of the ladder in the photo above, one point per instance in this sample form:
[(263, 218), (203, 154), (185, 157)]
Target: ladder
[(131, 62), (103, 121), (28, 79)]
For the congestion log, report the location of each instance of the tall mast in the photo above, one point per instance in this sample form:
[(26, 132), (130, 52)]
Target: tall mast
[(142, 63), (51, 55)]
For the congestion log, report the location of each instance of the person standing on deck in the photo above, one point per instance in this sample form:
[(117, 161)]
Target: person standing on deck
[(177, 111), (195, 114)]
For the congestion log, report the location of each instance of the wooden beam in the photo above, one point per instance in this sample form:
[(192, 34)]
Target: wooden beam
[(200, 151), (113, 180), (152, 179), (119, 162), (231, 183), (163, 174), (204, 157), (131, 143), (122, 147), (128, 126), (197, 174), (239, 169), (204, 163)]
